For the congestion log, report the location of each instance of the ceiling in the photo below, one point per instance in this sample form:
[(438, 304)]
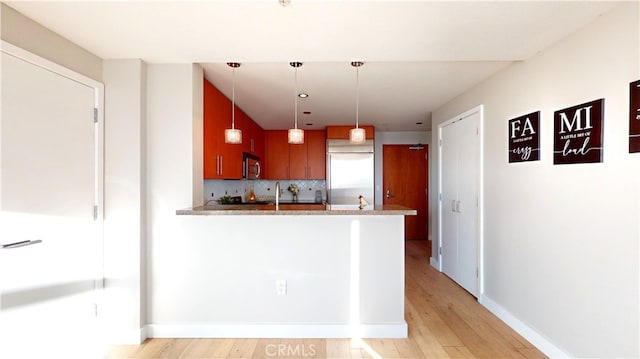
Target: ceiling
[(418, 54)]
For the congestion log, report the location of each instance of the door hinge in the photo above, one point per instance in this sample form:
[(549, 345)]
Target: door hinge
[(95, 115), (476, 272), (95, 213), (440, 250), (440, 143), (440, 196)]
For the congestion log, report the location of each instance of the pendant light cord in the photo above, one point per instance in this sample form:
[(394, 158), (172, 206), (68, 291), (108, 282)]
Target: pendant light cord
[(295, 101), (233, 98), (357, 93)]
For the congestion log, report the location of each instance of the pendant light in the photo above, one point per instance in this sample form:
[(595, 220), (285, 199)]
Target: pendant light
[(357, 135), (233, 135), (296, 135)]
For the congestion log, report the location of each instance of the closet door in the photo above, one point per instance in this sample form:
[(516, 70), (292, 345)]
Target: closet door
[(467, 209), (459, 166), (449, 193)]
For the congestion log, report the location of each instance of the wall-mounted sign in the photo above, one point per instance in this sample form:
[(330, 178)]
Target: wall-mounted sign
[(524, 138), (634, 117), (577, 133)]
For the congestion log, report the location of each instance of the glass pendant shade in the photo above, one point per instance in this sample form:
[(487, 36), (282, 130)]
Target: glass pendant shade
[(357, 136), (296, 136), (232, 135)]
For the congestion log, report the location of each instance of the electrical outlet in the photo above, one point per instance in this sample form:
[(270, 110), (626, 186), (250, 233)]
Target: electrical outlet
[(281, 287)]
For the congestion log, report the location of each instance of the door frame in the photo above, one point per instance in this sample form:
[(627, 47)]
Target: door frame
[(98, 89), (479, 186)]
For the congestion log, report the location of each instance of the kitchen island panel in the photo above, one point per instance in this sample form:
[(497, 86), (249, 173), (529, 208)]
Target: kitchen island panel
[(217, 278)]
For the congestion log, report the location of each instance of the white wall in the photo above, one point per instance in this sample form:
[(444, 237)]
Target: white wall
[(174, 162), (561, 242), (27, 34), (125, 193), (401, 138)]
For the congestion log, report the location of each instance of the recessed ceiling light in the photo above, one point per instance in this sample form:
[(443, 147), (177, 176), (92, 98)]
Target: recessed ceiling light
[(303, 95)]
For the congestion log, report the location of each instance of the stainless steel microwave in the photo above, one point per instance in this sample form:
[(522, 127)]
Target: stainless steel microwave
[(250, 166)]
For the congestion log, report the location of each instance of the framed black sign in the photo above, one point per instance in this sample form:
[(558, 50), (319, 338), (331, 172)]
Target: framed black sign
[(634, 117), (524, 138), (578, 133)]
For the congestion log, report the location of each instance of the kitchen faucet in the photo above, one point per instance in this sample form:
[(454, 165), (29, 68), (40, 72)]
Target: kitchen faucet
[(277, 195)]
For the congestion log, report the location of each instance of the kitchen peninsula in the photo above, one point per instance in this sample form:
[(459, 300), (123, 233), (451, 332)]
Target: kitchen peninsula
[(242, 271)]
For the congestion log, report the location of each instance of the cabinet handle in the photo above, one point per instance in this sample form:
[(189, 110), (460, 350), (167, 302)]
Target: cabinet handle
[(221, 167)]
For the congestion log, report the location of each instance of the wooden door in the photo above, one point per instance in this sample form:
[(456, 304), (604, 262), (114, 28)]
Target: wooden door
[(50, 161), (404, 182)]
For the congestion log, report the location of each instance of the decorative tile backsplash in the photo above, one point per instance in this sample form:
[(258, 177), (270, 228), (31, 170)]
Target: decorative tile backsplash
[(263, 189)]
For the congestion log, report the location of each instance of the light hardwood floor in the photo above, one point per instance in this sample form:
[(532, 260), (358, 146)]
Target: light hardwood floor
[(444, 322)]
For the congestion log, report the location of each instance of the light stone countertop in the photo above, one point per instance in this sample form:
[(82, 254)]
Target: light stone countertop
[(269, 210)]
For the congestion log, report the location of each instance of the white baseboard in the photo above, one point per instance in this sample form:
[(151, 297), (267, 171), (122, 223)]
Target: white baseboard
[(132, 337), (540, 342), (291, 331), (434, 263)]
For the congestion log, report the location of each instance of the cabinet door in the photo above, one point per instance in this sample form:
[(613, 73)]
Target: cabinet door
[(276, 155), (210, 133), (221, 160), (342, 132), (253, 141), (231, 154), (316, 154), (258, 142), (298, 160)]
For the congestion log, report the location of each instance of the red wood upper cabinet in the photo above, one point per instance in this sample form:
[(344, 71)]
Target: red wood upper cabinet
[(220, 160), (342, 132), (276, 155), (253, 137), (316, 154), (298, 162)]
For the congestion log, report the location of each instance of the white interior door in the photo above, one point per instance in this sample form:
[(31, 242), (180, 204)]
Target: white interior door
[(467, 203), (459, 178), (48, 190), (449, 191)]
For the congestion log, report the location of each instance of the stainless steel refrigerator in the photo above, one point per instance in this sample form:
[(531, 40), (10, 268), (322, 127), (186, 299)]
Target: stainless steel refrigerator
[(349, 172)]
